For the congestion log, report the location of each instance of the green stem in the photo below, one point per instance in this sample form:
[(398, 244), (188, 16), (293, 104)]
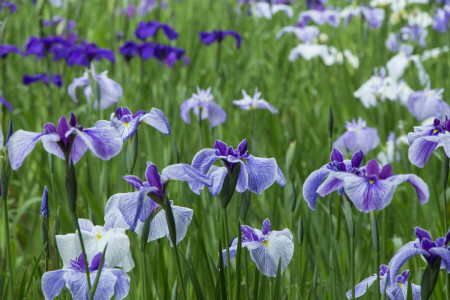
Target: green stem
[(225, 232), (83, 249), (180, 272), (200, 126), (143, 280), (8, 249)]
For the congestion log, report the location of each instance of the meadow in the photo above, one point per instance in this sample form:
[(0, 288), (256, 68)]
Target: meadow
[(335, 246)]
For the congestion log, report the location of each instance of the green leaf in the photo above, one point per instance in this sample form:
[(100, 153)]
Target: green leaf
[(229, 185), (99, 272), (429, 279), (20, 293), (221, 268), (238, 263), (35, 267), (277, 291), (193, 276), (245, 204)]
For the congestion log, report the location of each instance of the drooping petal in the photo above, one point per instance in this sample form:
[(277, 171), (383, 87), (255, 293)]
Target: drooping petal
[(156, 119), (184, 172), (135, 181), (130, 205), (122, 286), (444, 253), (402, 255), (186, 107), (113, 216), (242, 184), (203, 160), (261, 173), (311, 185), (361, 288), (218, 175), (263, 104), (216, 114), (22, 143), (125, 130), (420, 186), (78, 285), (367, 196), (52, 283), (106, 284), (77, 82), (110, 91), (104, 142), (118, 249), (332, 183), (420, 151)]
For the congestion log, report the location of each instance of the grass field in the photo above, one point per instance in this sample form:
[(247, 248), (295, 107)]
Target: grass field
[(297, 136)]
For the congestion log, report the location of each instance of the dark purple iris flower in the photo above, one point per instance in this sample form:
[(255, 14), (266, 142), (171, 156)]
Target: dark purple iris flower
[(424, 246), (130, 49), (40, 47), (87, 52), (208, 38), (45, 213), (68, 138), (425, 139), (6, 49), (150, 29), (336, 164), (55, 79), (169, 55), (8, 4)]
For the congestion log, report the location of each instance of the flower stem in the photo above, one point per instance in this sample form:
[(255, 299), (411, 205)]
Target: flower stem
[(376, 245), (225, 233), (180, 272), (200, 126), (8, 248), (143, 270), (445, 170), (83, 249)]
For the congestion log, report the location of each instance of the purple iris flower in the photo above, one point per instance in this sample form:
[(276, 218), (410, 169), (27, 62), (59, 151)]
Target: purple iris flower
[(426, 247), (425, 139), (129, 11), (129, 50), (146, 6), (208, 38), (45, 213), (427, 103), (395, 290), (86, 53), (109, 90), (373, 16), (336, 164), (147, 50), (166, 54), (441, 19), (256, 174), (150, 29), (358, 137), (68, 138), (55, 21), (266, 248), (8, 4), (6, 49), (5, 103), (40, 47), (130, 210), (126, 123), (319, 14), (255, 102), (371, 187), (392, 42), (112, 282), (414, 33), (203, 103), (55, 79)]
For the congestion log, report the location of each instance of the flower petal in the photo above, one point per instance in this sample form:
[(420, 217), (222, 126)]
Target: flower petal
[(52, 283), (156, 119), (361, 288), (184, 172), (402, 255), (420, 186), (311, 185), (68, 247), (444, 253), (122, 286), (216, 114), (420, 151), (261, 173)]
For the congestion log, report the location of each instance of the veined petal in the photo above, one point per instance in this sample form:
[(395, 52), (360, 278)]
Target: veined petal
[(203, 160), (22, 143), (122, 286), (402, 255), (218, 175), (52, 283), (125, 130), (361, 288), (86, 225), (104, 142), (118, 249), (186, 107), (68, 247), (444, 253), (333, 182), (420, 186), (184, 172), (113, 216), (110, 91), (420, 151), (77, 82), (130, 205), (78, 285), (368, 196), (156, 119), (242, 184), (311, 185), (106, 284), (261, 173)]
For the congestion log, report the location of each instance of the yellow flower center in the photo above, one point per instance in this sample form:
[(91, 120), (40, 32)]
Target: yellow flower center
[(244, 160), (126, 124), (98, 235), (434, 131), (266, 244), (371, 181)]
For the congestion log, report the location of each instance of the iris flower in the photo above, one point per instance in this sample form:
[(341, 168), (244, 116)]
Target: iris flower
[(130, 210), (336, 164), (208, 38), (398, 64), (373, 16), (113, 282), (55, 79), (45, 213), (378, 87), (41, 47), (203, 102), (86, 52), (149, 29), (267, 10), (371, 187), (256, 174), (395, 290), (95, 238), (441, 18), (126, 123), (5, 103), (306, 34), (427, 103), (68, 138), (255, 102), (319, 14), (109, 90), (8, 4), (267, 248), (357, 137), (425, 139), (426, 247)]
